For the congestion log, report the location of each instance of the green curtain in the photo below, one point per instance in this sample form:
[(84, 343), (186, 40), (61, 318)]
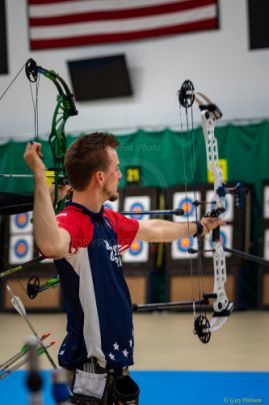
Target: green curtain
[(167, 157)]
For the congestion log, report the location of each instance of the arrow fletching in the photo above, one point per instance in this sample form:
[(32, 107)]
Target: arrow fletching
[(16, 302)]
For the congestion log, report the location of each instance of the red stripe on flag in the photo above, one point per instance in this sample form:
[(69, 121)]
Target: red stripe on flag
[(119, 14), (43, 2), (211, 23)]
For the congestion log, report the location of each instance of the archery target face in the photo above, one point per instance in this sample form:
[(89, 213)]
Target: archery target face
[(136, 205), (20, 248), (20, 223), (226, 233), (228, 215), (185, 202), (180, 248), (266, 202), (138, 252), (266, 245), (112, 205)]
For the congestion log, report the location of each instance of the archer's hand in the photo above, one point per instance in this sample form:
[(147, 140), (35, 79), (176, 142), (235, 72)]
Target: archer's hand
[(33, 157), (210, 223)]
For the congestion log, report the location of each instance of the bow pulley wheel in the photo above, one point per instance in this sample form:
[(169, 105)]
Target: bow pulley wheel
[(186, 94), (33, 287), (202, 328), (31, 70)]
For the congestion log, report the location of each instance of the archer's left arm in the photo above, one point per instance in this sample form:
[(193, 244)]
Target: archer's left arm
[(159, 230)]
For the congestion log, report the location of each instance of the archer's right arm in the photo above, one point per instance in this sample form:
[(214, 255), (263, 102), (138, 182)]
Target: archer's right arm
[(53, 242)]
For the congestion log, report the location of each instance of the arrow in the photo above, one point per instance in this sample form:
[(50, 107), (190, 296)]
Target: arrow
[(21, 353), (22, 266), (39, 352), (18, 305)]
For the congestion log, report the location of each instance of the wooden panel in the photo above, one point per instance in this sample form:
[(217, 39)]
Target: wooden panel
[(265, 289), (138, 288), (47, 300), (184, 288)]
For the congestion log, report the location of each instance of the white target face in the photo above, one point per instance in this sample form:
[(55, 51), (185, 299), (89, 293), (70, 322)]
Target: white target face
[(228, 215), (185, 201), (226, 240), (112, 205), (137, 205), (180, 248), (138, 252), (21, 223), (20, 248)]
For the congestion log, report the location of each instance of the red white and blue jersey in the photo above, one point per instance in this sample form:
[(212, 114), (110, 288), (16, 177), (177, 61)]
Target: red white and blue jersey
[(96, 297)]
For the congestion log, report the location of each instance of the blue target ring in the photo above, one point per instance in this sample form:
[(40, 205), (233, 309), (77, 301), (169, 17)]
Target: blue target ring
[(136, 247), (137, 207), (223, 239), (108, 206), (21, 248), (22, 220), (187, 206), (184, 244)]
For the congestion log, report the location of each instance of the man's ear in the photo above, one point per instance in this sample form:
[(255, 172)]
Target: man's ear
[(99, 177)]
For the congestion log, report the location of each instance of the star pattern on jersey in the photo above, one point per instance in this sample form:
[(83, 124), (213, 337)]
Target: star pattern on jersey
[(118, 352), (111, 356), (116, 346)]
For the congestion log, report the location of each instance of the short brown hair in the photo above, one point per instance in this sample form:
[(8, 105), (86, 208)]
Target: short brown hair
[(87, 155)]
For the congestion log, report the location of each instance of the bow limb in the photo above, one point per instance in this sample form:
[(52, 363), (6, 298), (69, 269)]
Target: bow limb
[(65, 108)]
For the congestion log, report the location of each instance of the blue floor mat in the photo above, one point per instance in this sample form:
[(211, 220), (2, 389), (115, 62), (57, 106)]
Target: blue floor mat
[(166, 387)]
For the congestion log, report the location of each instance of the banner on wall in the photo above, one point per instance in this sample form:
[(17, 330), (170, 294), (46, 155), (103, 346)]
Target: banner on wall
[(67, 23)]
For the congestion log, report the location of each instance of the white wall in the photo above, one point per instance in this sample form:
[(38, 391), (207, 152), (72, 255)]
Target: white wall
[(218, 62)]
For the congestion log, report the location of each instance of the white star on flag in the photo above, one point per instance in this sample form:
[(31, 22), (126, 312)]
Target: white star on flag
[(111, 356), (131, 343), (125, 353), (116, 346)]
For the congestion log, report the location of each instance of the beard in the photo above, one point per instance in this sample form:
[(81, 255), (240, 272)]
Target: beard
[(114, 197), (110, 195)]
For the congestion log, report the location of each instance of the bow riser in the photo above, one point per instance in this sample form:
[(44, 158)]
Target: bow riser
[(208, 118)]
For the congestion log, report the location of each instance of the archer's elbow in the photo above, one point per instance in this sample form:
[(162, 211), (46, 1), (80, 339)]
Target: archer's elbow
[(52, 251)]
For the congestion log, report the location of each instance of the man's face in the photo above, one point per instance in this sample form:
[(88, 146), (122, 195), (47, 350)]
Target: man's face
[(113, 175)]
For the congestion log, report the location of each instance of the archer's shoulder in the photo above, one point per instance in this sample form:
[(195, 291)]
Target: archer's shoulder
[(70, 214)]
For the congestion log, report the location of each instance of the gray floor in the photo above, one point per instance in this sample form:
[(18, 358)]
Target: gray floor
[(164, 341)]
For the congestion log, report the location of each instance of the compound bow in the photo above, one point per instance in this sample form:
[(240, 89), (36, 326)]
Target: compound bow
[(222, 307), (65, 108)]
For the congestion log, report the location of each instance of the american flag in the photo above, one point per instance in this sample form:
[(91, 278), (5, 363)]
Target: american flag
[(67, 23)]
